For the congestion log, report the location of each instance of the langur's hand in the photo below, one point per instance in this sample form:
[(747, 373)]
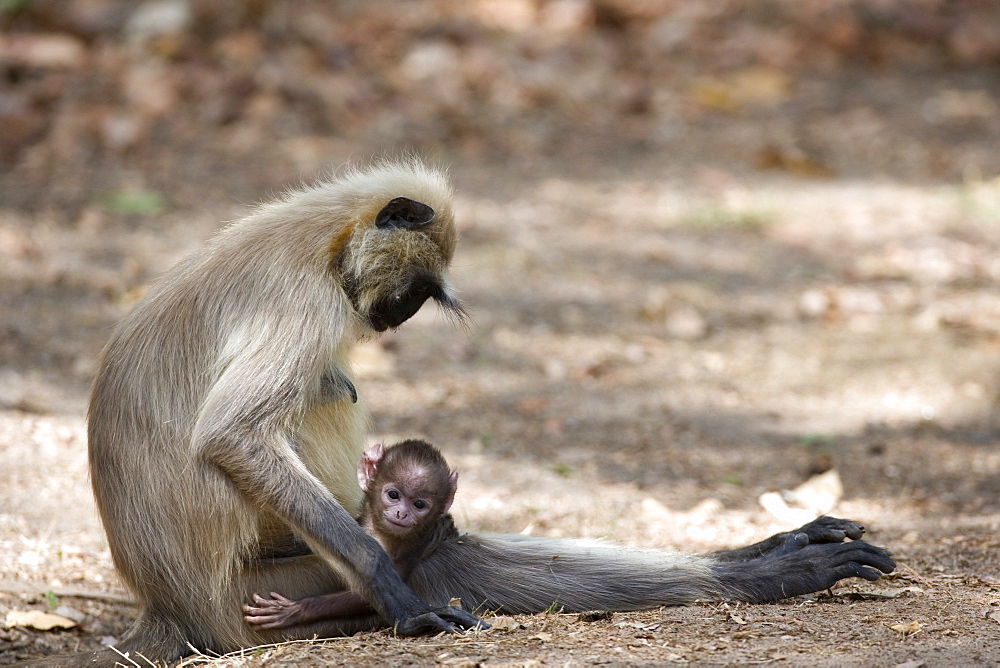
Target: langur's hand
[(460, 618), (447, 619)]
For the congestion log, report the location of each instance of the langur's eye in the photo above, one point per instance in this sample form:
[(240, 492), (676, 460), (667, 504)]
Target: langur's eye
[(419, 504), (393, 494)]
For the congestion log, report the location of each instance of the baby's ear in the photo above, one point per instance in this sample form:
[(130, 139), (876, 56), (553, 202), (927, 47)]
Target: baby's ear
[(452, 488), (368, 465)]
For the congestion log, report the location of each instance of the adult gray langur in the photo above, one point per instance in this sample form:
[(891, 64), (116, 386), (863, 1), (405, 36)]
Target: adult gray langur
[(224, 431)]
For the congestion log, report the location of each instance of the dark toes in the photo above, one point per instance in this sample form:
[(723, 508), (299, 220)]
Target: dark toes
[(832, 530), (855, 531)]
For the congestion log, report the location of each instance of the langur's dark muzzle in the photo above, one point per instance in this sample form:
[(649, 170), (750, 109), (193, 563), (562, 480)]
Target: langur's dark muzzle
[(397, 309)]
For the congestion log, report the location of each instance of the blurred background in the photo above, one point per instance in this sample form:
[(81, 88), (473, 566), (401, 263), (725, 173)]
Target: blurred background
[(712, 249), (119, 97)]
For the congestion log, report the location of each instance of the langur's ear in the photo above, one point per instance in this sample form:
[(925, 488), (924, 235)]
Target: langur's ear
[(452, 488), (368, 465), (404, 213)]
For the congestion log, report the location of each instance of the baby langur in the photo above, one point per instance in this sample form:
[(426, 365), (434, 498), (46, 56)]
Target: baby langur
[(408, 491)]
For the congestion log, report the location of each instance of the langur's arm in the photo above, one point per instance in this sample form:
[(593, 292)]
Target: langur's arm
[(243, 430)]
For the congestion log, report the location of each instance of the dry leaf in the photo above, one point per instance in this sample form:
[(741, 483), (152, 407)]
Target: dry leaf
[(738, 619), (714, 94), (774, 504), (793, 160), (964, 104), (754, 86), (994, 615), (638, 625), (820, 493), (882, 594), (504, 624), (544, 637), (816, 496), (42, 50), (594, 615), (909, 628), (36, 619), (913, 663), (455, 603)]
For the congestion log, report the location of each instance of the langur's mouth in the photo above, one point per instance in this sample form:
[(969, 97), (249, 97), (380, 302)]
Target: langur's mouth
[(393, 311), (398, 527)]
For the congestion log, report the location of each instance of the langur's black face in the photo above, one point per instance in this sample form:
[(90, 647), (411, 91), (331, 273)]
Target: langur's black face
[(399, 262), (394, 310)]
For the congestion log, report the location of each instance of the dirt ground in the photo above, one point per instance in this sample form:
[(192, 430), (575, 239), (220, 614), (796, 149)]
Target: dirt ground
[(664, 331)]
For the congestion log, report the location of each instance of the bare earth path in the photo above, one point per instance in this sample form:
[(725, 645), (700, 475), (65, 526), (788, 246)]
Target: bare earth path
[(664, 331), (646, 381)]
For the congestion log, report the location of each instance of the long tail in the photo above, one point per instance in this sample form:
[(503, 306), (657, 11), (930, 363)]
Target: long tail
[(518, 574)]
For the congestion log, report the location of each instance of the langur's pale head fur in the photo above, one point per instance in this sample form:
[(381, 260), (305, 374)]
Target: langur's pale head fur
[(384, 266), (386, 270)]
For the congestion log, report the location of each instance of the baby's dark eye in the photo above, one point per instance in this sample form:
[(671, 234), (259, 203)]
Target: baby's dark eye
[(419, 504), (393, 494)]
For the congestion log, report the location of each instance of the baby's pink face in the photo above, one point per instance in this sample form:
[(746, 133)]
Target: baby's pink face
[(405, 503)]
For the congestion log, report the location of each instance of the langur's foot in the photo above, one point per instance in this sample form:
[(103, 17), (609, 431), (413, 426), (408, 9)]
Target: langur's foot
[(830, 530)]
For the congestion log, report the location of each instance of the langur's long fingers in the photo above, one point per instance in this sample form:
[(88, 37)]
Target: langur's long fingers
[(461, 618), (881, 558), (259, 624), (424, 624), (265, 607), (868, 560), (257, 612), (256, 619)]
